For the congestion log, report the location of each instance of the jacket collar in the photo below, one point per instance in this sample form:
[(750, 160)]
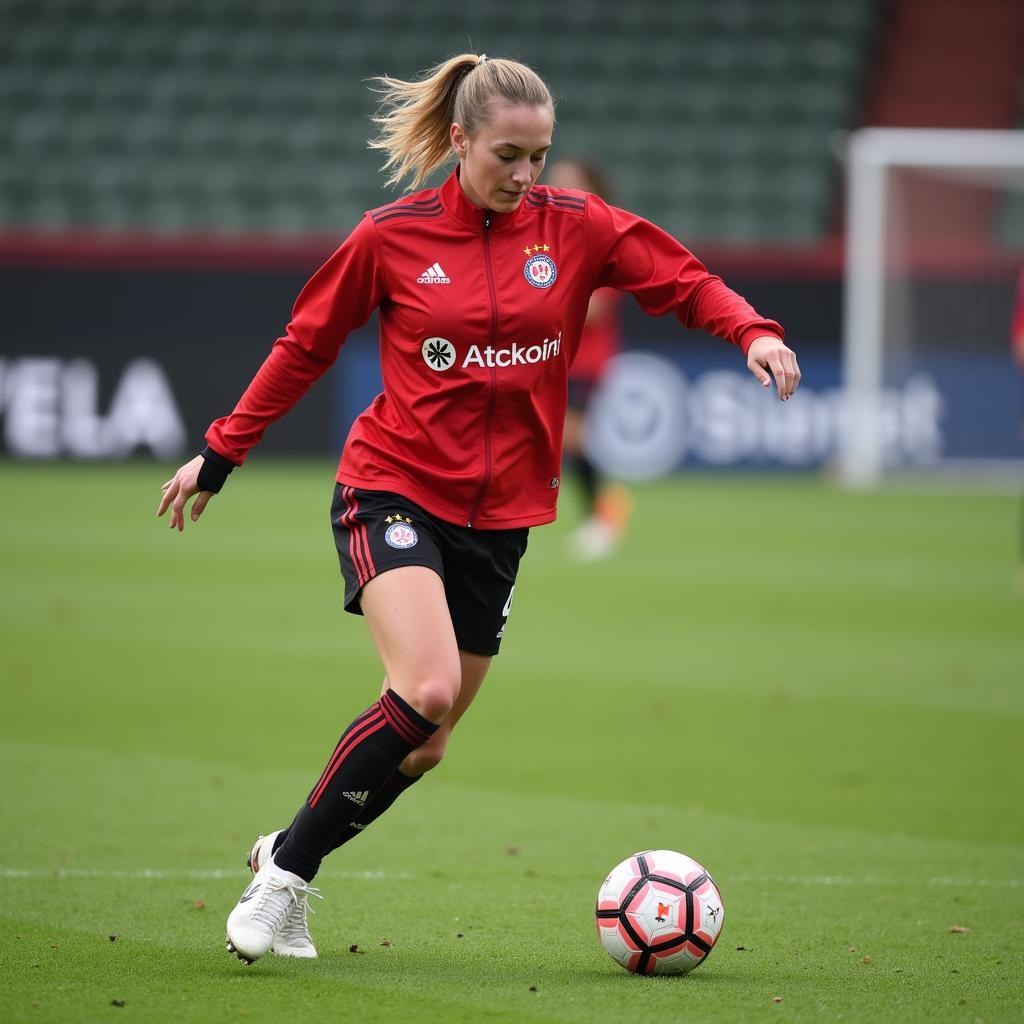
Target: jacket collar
[(458, 206)]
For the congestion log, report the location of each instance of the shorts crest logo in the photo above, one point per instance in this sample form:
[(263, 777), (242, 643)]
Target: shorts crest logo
[(540, 271), (400, 535), (438, 353)]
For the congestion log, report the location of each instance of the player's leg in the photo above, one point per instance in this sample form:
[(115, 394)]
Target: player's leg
[(480, 576), (408, 617), (407, 613), (474, 669), (607, 507), (584, 470), (422, 759), (411, 770), (392, 574)]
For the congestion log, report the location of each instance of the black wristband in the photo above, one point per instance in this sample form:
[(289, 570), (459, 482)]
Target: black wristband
[(214, 472)]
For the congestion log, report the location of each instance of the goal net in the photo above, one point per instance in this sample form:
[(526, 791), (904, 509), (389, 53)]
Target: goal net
[(934, 262)]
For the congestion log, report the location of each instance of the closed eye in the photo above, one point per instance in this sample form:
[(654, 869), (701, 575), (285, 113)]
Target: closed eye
[(536, 158)]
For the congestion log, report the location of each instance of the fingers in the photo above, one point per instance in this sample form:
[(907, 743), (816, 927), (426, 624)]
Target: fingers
[(791, 373), (200, 503), (178, 490), (782, 379), (174, 497), (178, 511), (170, 492), (782, 363)]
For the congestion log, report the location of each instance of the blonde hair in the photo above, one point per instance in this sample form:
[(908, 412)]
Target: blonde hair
[(415, 118)]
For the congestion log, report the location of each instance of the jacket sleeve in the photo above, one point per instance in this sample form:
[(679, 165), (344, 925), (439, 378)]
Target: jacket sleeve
[(636, 256), (340, 297)]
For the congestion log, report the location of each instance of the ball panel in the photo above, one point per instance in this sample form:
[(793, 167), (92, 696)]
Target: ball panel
[(635, 897), (618, 944), (680, 962), (617, 885), (658, 913), (709, 914), (676, 866)]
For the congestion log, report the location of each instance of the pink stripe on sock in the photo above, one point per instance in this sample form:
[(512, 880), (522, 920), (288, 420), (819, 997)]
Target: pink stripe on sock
[(352, 738)]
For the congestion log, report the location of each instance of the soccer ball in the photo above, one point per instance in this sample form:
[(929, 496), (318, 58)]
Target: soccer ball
[(659, 912)]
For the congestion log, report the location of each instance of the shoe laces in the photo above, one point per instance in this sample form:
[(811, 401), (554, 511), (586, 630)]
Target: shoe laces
[(295, 925), (278, 897)]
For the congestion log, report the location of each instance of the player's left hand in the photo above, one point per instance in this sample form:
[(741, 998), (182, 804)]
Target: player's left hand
[(179, 489), (769, 353)]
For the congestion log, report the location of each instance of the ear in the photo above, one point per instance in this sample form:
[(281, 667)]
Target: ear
[(459, 140)]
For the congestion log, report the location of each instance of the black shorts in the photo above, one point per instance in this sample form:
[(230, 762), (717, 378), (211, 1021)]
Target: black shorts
[(376, 530)]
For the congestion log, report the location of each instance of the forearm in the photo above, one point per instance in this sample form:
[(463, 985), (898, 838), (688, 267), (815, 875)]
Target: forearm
[(636, 256), (714, 307)]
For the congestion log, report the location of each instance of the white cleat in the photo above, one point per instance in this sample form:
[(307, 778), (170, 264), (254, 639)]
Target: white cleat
[(292, 939), (263, 909), (593, 540)]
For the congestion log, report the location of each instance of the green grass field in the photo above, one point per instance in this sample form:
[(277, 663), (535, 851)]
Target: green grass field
[(820, 697)]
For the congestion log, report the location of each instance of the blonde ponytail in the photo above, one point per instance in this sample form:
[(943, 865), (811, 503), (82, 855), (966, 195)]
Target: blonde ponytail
[(415, 117)]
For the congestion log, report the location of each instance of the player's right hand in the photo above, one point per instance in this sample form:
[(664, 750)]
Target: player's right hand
[(179, 489)]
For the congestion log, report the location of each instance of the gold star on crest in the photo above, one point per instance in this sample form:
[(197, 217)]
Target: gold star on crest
[(527, 250), (389, 519), (546, 248)]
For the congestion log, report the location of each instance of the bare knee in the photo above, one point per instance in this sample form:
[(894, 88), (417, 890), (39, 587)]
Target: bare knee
[(433, 696)]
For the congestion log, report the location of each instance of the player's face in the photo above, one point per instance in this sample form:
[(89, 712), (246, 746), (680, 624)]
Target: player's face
[(503, 158)]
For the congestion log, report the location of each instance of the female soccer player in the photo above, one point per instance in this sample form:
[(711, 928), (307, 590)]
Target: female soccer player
[(482, 288), (607, 508)]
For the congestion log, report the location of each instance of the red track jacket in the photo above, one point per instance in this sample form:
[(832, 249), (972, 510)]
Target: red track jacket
[(480, 318)]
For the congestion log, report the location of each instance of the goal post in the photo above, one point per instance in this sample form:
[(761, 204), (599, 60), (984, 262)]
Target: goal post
[(934, 251)]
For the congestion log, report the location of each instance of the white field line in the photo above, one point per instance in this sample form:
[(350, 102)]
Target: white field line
[(144, 873), (940, 882)]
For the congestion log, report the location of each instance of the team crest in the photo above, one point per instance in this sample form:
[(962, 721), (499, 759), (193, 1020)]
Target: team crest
[(400, 535), (540, 271)]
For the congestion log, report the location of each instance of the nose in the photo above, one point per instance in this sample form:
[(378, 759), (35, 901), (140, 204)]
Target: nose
[(521, 173)]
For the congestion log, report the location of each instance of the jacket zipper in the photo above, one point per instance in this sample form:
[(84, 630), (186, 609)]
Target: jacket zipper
[(492, 398)]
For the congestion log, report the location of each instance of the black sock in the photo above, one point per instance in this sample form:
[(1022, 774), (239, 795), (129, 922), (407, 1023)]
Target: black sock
[(366, 757), (389, 793), (589, 480), (386, 796)]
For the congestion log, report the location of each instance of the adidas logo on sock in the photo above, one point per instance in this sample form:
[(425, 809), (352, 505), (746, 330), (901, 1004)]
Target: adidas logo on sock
[(359, 798), (434, 275)]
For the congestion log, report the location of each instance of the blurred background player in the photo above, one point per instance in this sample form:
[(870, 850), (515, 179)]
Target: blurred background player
[(606, 506), (1017, 345), (1017, 332)]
